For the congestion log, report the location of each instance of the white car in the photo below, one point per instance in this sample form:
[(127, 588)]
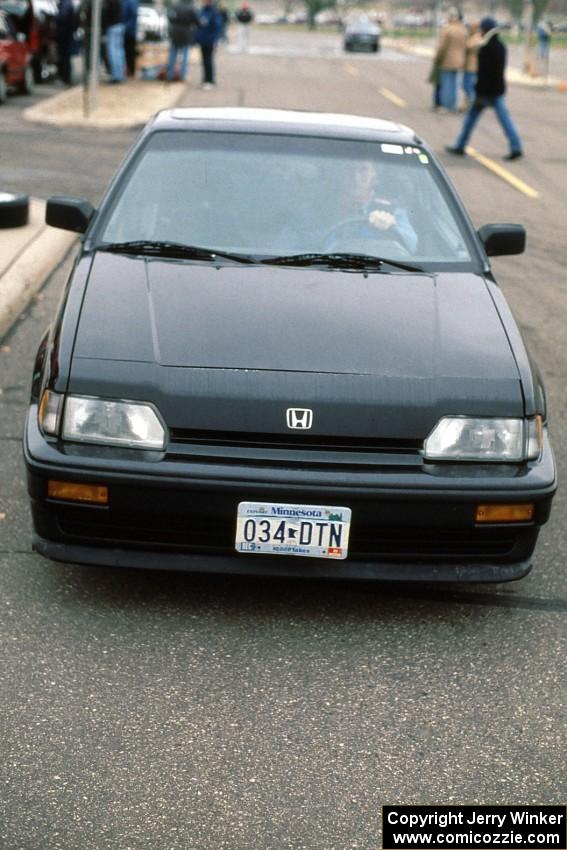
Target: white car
[(152, 24)]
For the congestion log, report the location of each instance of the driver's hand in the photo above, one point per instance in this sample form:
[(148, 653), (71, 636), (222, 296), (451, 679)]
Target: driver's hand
[(382, 219)]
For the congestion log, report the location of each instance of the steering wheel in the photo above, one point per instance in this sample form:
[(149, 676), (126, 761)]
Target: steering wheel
[(349, 226)]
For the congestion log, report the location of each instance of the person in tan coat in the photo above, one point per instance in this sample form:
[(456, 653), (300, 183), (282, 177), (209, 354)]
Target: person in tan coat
[(450, 58), (474, 40)]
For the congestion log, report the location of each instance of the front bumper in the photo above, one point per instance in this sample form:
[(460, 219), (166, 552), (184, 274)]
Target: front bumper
[(362, 44), (409, 521)]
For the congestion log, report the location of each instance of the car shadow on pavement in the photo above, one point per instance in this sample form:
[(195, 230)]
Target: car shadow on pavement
[(326, 600)]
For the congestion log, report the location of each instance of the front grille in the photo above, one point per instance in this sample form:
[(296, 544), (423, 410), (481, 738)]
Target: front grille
[(298, 441)]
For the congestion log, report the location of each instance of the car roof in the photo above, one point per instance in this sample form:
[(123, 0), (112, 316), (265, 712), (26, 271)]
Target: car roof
[(284, 122)]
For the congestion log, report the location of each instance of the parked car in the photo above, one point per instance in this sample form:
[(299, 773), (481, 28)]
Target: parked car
[(269, 19), (35, 20), (412, 20), (152, 23), (15, 60), (362, 34), (282, 350)]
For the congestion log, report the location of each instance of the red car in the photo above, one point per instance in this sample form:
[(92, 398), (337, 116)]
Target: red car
[(15, 60), (35, 20)]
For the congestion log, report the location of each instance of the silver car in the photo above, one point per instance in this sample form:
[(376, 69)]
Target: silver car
[(362, 34)]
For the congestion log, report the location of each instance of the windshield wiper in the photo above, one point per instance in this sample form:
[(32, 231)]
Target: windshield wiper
[(339, 261), (176, 250)]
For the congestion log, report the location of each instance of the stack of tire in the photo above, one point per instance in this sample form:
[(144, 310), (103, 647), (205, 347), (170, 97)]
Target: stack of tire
[(14, 210)]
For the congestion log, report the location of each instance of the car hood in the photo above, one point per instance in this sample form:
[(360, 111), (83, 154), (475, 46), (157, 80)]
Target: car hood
[(399, 342)]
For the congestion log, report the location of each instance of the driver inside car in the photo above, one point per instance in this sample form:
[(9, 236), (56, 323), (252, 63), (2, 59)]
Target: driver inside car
[(364, 211)]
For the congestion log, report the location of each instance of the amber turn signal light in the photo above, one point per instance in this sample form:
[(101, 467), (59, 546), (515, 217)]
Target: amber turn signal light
[(505, 513), (70, 491)]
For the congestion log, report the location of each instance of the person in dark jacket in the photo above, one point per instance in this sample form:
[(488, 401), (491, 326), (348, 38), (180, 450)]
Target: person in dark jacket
[(183, 23), (64, 35), (208, 34), (489, 92), (130, 13)]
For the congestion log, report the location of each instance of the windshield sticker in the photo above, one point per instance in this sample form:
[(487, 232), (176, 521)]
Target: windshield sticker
[(392, 149), (408, 149)]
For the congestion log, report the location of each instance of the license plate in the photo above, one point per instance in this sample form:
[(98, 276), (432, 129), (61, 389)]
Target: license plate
[(311, 531)]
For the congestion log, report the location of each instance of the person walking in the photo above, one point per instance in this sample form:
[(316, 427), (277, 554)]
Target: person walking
[(130, 14), (113, 28), (64, 37), (183, 23), (473, 42), (449, 58), (208, 34), (489, 92), (244, 16)]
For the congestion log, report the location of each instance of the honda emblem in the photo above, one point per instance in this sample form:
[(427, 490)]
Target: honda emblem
[(299, 418)]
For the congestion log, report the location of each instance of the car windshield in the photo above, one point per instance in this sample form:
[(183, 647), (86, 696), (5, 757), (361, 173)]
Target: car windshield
[(361, 26), (276, 195)]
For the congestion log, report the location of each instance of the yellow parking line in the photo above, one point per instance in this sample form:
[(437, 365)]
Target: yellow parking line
[(350, 69), (503, 173), (389, 95)]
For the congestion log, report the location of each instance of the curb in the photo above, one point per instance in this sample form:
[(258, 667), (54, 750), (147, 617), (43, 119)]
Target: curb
[(119, 107), (24, 276)]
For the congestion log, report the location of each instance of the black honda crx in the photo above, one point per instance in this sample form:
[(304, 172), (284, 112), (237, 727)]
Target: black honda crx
[(281, 350)]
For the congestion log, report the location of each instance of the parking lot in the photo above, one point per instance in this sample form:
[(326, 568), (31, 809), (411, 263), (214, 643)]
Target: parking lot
[(150, 710)]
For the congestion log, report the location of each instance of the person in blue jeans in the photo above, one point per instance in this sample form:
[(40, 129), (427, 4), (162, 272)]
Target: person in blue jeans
[(474, 39), (113, 27), (489, 92), (543, 32), (449, 58), (183, 23)]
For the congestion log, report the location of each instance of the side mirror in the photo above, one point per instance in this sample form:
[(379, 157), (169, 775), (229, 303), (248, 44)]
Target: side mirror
[(69, 213), (500, 239)]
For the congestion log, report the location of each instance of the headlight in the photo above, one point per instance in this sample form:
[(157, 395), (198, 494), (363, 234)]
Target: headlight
[(112, 423), (463, 438)]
